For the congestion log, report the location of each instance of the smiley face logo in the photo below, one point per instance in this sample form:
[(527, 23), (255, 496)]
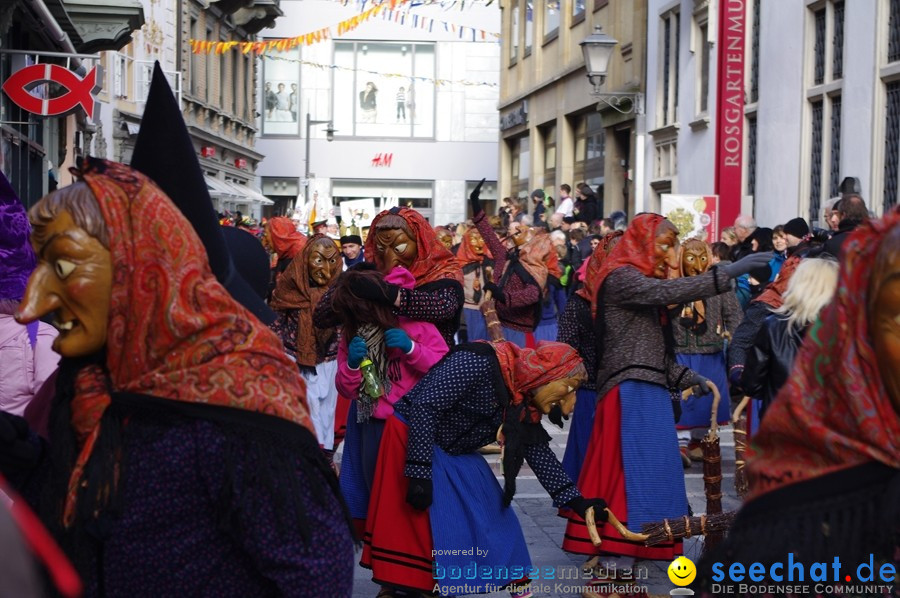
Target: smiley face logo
[(682, 571)]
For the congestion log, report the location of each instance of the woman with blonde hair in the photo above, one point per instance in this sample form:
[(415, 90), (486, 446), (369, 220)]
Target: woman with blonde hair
[(771, 359)]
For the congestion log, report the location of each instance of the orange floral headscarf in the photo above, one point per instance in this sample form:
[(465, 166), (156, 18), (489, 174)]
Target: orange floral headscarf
[(285, 239), (592, 269), (466, 255), (636, 248), (433, 262), (834, 412), (174, 331)]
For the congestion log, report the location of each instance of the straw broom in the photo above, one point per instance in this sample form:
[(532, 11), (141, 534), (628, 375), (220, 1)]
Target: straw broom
[(739, 419), (685, 527)]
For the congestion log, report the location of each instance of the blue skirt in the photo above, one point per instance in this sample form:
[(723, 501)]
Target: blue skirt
[(579, 431), (516, 337), (476, 329), (696, 412), (654, 476), (361, 445), (468, 516), (546, 330)]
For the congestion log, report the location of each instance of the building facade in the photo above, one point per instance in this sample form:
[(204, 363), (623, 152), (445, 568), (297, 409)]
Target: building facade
[(822, 102), (217, 91), (411, 100), (36, 151), (553, 130)]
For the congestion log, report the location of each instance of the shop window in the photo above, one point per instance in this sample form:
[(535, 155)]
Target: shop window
[(368, 197), (368, 104), (281, 94)]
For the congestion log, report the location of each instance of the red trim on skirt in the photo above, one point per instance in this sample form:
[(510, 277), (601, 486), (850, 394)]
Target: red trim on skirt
[(529, 340), (397, 543), (602, 475), (342, 409)]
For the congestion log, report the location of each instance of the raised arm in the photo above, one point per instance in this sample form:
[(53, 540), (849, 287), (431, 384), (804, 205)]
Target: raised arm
[(627, 286)]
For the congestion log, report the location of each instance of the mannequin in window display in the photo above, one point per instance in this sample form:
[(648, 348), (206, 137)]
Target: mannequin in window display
[(368, 103)]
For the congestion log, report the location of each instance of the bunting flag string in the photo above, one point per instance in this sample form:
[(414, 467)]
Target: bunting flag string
[(387, 9), (440, 82)]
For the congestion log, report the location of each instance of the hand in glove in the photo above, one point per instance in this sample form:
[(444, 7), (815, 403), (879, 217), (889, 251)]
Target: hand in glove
[(371, 290), (747, 264), (474, 199), (496, 293), (699, 384), (581, 504), (419, 495), (18, 452), (356, 352), (396, 338)]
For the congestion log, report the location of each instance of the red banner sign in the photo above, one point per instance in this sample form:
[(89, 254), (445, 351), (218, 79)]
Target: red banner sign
[(730, 109), (20, 85)]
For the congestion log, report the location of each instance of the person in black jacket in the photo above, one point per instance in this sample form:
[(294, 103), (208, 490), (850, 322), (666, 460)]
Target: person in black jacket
[(771, 359), (587, 207), (852, 212)]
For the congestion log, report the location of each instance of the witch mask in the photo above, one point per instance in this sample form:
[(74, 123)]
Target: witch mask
[(73, 279)]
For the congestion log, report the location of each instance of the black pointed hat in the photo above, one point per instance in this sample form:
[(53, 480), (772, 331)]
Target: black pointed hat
[(164, 152)]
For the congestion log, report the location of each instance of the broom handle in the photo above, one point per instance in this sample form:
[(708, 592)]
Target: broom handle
[(717, 396), (489, 311), (739, 410), (591, 523)]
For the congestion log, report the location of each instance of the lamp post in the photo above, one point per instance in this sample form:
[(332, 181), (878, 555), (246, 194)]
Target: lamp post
[(329, 135), (598, 48)]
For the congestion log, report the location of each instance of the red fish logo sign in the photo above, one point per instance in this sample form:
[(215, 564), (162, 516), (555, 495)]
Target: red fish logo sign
[(80, 91)]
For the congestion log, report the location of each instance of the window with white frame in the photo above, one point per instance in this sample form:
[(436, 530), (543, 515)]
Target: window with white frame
[(551, 19), (669, 45), (890, 78), (701, 56), (514, 33), (824, 87), (529, 27)]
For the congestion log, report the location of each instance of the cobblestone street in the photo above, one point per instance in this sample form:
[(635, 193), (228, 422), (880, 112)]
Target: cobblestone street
[(543, 529)]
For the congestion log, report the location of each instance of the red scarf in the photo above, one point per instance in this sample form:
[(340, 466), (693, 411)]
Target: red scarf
[(174, 331), (834, 412), (636, 248), (433, 261), (466, 255), (773, 296), (285, 239), (526, 369), (592, 269)]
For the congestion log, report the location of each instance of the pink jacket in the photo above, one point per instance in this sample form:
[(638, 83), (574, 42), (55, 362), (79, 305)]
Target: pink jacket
[(23, 370), (404, 369)]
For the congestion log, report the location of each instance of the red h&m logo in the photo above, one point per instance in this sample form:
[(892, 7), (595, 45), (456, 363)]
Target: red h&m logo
[(207, 151), (382, 159)]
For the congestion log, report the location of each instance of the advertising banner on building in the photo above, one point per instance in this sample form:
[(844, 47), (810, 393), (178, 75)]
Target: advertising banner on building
[(695, 216), (730, 107)]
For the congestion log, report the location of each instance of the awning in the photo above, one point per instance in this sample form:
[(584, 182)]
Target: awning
[(221, 189), (250, 193)]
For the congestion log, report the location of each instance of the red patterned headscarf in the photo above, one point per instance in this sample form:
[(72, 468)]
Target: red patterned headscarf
[(174, 332), (466, 255), (834, 412), (433, 262), (773, 296), (592, 269), (285, 239), (636, 248), (525, 369)]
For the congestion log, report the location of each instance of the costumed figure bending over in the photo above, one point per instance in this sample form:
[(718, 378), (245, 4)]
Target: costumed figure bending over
[(434, 492)]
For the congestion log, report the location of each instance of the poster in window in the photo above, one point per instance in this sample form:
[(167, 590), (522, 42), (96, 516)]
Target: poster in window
[(384, 89), (281, 94)]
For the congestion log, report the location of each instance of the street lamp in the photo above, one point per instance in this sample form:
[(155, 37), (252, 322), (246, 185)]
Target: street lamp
[(598, 48), (329, 135)]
